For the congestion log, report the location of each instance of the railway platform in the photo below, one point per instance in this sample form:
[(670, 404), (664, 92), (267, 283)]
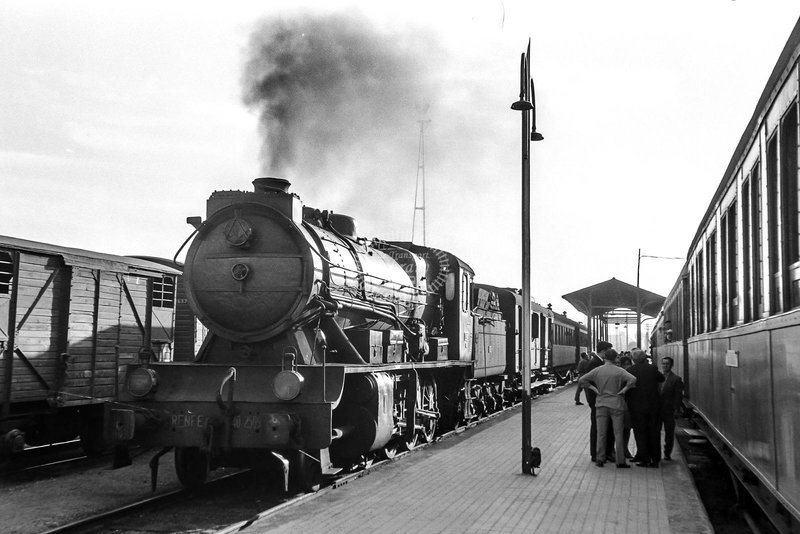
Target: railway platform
[(472, 482)]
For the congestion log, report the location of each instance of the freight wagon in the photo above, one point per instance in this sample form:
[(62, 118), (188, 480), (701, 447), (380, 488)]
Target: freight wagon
[(70, 322)]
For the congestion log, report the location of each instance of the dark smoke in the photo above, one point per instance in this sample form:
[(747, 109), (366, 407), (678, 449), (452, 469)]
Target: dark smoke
[(333, 86)]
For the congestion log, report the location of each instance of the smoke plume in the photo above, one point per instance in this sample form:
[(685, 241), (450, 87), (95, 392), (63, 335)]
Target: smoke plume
[(332, 87)]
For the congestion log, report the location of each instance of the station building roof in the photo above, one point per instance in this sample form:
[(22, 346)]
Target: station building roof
[(612, 294)]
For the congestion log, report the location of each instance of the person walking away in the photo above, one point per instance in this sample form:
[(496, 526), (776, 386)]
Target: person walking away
[(644, 403), (671, 397), (610, 382), (583, 367), (591, 397)]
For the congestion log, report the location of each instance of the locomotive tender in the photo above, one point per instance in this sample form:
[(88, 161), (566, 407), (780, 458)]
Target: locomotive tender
[(324, 348), (732, 320)]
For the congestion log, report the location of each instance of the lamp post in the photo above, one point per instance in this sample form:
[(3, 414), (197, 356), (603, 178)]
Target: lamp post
[(525, 104)]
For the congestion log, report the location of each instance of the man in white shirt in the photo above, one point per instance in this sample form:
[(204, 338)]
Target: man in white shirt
[(609, 382)]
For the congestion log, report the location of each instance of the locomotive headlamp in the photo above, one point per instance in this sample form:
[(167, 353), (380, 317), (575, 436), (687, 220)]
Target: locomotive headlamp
[(142, 382), (287, 385)]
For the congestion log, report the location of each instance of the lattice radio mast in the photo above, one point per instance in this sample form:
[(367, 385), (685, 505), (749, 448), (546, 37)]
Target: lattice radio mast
[(419, 192)]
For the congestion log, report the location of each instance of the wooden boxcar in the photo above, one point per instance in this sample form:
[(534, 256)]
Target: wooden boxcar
[(70, 320)]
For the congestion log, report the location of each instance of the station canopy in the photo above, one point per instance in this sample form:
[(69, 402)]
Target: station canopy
[(613, 294)]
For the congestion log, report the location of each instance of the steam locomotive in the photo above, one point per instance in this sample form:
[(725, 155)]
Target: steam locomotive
[(325, 348)]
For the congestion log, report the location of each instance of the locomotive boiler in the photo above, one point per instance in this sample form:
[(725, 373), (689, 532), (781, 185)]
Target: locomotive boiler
[(322, 347)]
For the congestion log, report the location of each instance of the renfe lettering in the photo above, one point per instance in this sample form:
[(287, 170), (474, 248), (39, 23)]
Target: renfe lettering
[(189, 420)]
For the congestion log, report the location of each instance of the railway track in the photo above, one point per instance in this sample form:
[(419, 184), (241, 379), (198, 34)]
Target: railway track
[(140, 516), (35, 458), (228, 503)]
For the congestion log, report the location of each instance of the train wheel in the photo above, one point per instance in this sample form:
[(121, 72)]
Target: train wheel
[(489, 400), (498, 399), (305, 472), (191, 466), (411, 443), (390, 450), (429, 404)]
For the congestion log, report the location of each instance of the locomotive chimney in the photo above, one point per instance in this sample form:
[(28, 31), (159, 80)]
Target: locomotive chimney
[(271, 192), (270, 184)]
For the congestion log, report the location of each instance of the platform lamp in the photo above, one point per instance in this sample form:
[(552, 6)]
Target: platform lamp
[(530, 457)]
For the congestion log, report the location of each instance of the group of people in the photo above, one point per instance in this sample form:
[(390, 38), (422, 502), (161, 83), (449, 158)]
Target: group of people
[(628, 393)]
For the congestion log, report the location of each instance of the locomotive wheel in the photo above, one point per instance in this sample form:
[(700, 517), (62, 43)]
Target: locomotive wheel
[(305, 472), (390, 450), (429, 402), (411, 443), (191, 466), (489, 399)]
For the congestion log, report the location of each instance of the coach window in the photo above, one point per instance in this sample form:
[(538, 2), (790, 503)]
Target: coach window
[(700, 300), (164, 292), (728, 266), (723, 267), (747, 257), (773, 227), (789, 235), (756, 242), (6, 272), (711, 251), (690, 299)]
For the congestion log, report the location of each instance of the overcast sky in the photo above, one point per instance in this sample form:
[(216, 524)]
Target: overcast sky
[(117, 121)]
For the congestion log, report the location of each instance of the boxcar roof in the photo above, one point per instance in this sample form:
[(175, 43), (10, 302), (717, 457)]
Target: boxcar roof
[(86, 258)]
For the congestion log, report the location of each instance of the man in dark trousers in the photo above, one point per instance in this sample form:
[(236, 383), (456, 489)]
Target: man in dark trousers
[(583, 368), (644, 405), (610, 382), (591, 396), (671, 397)]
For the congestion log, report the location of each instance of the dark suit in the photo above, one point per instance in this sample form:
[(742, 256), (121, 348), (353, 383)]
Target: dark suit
[(644, 405), (671, 396), (591, 398)]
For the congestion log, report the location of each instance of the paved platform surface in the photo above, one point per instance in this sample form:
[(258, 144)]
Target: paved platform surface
[(472, 483)]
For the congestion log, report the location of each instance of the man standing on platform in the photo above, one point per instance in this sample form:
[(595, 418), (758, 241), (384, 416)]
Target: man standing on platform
[(671, 397), (583, 367), (610, 382), (591, 396), (644, 404)]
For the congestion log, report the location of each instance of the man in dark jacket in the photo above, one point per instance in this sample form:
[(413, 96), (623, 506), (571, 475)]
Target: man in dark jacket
[(671, 397), (644, 405)]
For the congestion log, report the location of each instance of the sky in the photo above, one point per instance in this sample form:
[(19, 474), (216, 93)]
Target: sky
[(118, 120)]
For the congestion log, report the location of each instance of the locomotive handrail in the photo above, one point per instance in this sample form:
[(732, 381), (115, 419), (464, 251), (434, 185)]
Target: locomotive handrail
[(175, 257), (361, 273)]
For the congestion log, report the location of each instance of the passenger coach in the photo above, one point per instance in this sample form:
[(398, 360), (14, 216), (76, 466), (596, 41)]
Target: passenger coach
[(732, 320)]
